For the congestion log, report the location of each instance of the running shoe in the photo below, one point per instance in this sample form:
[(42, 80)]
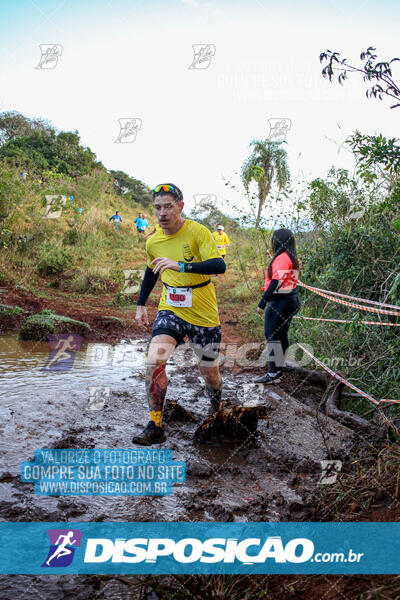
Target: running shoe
[(268, 379), (151, 434)]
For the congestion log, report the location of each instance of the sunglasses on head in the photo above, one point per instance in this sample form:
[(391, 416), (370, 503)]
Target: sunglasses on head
[(166, 187)]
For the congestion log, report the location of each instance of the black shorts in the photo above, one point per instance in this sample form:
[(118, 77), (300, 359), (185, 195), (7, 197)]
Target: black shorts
[(205, 341)]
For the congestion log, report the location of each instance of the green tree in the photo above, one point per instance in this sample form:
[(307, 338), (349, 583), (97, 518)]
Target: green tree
[(13, 125), (130, 187), (41, 150), (338, 199), (376, 156), (266, 165)]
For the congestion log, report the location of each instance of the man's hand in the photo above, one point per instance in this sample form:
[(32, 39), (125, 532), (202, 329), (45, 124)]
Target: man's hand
[(260, 310), (141, 316), (163, 263)]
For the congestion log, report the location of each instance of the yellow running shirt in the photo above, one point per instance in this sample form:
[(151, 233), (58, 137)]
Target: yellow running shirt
[(221, 240), (192, 243)]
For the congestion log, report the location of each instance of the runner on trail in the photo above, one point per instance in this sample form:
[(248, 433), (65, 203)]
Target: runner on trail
[(221, 239), (283, 301), (139, 223), (184, 254), (145, 223), (116, 219)]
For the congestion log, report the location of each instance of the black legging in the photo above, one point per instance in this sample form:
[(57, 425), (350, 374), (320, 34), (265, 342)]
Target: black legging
[(278, 316)]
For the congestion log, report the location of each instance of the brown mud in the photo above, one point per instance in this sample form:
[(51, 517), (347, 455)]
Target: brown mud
[(269, 475)]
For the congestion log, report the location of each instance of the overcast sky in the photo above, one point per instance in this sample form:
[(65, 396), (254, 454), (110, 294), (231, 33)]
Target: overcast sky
[(129, 59)]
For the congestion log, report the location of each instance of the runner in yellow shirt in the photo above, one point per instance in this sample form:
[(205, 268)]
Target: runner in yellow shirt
[(221, 239), (184, 255)]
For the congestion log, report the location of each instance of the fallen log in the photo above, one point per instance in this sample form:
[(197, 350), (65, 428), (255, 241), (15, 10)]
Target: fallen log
[(232, 422), (351, 420), (319, 378)]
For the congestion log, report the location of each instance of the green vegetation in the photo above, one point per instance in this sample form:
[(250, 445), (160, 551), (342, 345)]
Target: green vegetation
[(9, 314), (37, 327), (347, 227), (266, 165), (80, 251), (347, 230)]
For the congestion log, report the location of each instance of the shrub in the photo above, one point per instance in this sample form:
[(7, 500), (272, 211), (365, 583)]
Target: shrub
[(93, 280), (9, 315), (39, 326), (123, 300), (53, 259), (71, 237)]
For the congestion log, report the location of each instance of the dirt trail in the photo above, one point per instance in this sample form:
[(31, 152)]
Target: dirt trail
[(272, 476), (269, 477)]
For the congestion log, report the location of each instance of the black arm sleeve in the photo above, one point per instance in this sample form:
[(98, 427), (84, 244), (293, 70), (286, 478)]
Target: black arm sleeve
[(268, 293), (148, 283), (212, 266)]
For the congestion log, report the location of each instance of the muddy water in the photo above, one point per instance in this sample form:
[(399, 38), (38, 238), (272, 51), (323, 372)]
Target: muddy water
[(269, 478)]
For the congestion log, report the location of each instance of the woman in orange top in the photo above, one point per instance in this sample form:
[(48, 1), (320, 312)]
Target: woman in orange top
[(280, 292)]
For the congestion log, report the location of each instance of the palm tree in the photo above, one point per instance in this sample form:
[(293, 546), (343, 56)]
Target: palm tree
[(266, 164)]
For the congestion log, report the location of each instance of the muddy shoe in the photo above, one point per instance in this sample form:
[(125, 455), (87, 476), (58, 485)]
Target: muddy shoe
[(215, 397), (269, 378), (151, 434)]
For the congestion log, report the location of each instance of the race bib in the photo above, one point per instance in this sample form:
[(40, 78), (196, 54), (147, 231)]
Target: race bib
[(220, 247), (179, 297)]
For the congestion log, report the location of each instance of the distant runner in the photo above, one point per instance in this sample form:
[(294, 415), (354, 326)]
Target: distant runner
[(116, 219), (140, 223), (283, 301), (183, 252), (145, 223), (221, 239)]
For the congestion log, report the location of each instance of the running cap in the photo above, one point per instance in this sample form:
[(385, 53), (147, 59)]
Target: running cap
[(220, 227)]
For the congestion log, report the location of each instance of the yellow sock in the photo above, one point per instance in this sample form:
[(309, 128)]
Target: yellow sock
[(156, 417)]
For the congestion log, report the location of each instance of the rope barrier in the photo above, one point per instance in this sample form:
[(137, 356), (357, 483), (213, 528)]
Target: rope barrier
[(335, 297), (348, 321), (345, 382), (329, 295), (352, 297), (381, 311)]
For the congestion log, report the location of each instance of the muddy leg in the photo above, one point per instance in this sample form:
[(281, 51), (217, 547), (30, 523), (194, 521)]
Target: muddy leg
[(213, 383), (161, 348)]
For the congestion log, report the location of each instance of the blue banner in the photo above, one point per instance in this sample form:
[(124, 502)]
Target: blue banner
[(103, 472), (200, 548)]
